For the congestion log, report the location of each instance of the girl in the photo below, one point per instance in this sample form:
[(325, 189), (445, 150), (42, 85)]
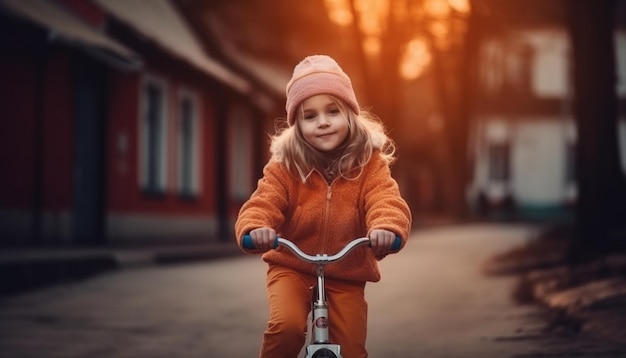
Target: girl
[(328, 182)]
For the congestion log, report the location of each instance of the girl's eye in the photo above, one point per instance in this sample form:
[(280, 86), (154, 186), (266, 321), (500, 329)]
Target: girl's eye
[(309, 116), (334, 111)]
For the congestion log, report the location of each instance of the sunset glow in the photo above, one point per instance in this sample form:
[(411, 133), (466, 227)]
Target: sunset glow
[(373, 17), (437, 8), (373, 14), (461, 6), (371, 45), (415, 59), (339, 12)]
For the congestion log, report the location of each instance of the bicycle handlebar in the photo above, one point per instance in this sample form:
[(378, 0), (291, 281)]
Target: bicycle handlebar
[(247, 243)]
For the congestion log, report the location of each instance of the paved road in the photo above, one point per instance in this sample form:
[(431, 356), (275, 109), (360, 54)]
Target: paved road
[(432, 302)]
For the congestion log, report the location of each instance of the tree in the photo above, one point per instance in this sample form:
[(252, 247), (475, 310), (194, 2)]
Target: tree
[(601, 209), (401, 41)]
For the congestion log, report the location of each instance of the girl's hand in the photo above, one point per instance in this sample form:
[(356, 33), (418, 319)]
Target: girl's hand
[(263, 238), (381, 241)]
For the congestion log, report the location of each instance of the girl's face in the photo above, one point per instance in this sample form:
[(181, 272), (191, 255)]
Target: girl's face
[(323, 123)]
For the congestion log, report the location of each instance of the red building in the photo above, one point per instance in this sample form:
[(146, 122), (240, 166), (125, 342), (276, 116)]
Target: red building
[(117, 127)]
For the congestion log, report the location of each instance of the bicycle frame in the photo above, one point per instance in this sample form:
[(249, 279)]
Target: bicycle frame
[(319, 345)]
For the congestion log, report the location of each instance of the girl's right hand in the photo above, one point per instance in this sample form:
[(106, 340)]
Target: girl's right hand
[(263, 238)]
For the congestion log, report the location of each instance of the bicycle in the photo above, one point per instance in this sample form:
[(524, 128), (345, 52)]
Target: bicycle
[(319, 345)]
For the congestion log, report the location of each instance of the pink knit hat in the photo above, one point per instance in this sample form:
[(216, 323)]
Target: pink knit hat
[(318, 74)]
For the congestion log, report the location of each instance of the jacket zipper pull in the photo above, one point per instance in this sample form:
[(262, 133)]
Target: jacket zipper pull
[(328, 194)]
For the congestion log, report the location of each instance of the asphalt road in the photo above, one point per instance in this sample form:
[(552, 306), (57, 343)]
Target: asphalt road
[(433, 301)]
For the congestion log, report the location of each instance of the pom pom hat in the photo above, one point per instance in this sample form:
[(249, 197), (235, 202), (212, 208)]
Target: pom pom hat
[(314, 75)]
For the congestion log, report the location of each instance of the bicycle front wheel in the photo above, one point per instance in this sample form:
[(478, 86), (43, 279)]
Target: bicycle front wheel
[(324, 353)]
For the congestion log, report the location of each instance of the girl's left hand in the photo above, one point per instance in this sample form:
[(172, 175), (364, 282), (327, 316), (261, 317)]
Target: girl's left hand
[(381, 241)]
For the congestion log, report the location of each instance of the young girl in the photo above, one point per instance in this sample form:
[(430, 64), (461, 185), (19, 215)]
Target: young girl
[(328, 182)]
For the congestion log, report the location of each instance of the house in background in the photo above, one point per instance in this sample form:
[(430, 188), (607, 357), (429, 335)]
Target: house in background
[(116, 126), (524, 135)]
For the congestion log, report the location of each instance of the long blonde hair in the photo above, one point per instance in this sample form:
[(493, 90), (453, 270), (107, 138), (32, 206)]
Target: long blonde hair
[(365, 136)]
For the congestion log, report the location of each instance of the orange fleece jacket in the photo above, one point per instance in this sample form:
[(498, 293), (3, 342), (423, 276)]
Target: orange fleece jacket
[(323, 218)]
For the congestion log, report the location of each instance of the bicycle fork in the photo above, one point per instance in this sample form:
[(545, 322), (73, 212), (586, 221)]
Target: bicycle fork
[(320, 345)]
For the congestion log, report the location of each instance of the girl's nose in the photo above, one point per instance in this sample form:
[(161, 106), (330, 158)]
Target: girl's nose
[(323, 121)]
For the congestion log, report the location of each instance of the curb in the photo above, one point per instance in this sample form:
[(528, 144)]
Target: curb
[(27, 270)]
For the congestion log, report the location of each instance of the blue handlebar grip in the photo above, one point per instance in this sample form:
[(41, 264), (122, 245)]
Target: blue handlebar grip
[(397, 244), (247, 243)]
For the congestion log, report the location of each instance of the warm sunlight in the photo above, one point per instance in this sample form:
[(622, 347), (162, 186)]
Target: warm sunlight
[(439, 28), (437, 8), (371, 45), (373, 17), (415, 59), (339, 12), (461, 6)]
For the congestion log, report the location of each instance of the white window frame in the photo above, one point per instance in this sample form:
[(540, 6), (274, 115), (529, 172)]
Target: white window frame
[(195, 166), (160, 184)]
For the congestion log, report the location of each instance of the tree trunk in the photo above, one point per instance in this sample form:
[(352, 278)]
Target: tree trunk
[(454, 78), (601, 183)]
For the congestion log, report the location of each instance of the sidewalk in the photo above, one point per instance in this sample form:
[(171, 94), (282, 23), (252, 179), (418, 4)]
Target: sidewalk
[(587, 298), (25, 269)]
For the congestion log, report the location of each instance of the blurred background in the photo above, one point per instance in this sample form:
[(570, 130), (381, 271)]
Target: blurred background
[(129, 122)]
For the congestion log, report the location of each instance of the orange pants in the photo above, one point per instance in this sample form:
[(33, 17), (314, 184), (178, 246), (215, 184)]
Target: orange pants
[(289, 297)]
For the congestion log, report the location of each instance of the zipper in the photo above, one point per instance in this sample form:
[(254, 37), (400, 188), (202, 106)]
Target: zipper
[(326, 214), (325, 226)]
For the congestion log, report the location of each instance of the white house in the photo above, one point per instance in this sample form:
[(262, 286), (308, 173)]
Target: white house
[(524, 135)]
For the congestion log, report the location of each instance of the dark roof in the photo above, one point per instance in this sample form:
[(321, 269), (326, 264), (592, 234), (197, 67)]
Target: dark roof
[(161, 22), (65, 27)]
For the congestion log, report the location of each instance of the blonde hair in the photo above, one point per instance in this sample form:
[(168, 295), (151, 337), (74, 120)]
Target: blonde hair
[(365, 136)]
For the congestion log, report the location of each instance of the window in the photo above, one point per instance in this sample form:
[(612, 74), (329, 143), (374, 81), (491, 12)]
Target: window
[(189, 135), (506, 67), (518, 68), (499, 162), (153, 141)]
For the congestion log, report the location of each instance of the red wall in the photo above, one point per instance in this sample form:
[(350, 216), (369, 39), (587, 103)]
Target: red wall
[(58, 134), (124, 192), (17, 118), (122, 187), (17, 131)]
